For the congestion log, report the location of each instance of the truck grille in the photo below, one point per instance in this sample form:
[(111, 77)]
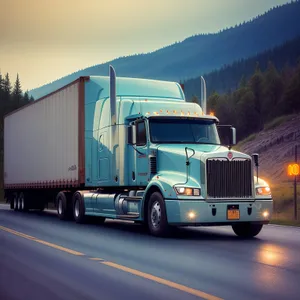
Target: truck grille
[(229, 179)]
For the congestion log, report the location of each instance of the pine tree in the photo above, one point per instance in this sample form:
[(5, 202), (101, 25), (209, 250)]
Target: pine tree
[(17, 92), (1, 87), (26, 97), (256, 85), (31, 98), (273, 90), (7, 86), (292, 94)]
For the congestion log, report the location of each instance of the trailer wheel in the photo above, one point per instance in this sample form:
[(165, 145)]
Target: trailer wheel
[(78, 208), (21, 202), (62, 206), (247, 230), (16, 206), (157, 217)]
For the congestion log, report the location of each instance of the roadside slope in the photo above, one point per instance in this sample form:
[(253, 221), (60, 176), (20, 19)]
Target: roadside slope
[(276, 148)]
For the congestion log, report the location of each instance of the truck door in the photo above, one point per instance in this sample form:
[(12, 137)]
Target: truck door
[(141, 154)]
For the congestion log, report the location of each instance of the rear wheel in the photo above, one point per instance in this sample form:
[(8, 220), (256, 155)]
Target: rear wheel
[(78, 208), (15, 200), (157, 217), (21, 202), (247, 230), (63, 211)]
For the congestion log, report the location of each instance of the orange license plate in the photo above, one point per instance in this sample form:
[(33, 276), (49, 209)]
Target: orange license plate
[(233, 214)]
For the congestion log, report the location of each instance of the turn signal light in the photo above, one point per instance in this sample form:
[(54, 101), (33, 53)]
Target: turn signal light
[(263, 191), (185, 191)]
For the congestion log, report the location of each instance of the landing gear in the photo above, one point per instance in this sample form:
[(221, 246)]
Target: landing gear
[(247, 230)]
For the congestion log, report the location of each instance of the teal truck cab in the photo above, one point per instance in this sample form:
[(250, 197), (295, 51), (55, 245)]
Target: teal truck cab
[(157, 159)]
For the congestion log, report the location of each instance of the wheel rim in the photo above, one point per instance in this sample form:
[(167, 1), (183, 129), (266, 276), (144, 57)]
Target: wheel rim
[(59, 206), (155, 214), (77, 209)]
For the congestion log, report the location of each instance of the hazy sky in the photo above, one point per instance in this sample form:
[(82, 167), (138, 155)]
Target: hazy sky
[(44, 40)]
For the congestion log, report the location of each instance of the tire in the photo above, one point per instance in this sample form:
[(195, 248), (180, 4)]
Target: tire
[(157, 217), (15, 200), (21, 202), (78, 208), (247, 230), (63, 211)]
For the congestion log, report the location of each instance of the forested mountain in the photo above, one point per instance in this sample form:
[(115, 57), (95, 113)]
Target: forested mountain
[(202, 53), (229, 77), (266, 95)]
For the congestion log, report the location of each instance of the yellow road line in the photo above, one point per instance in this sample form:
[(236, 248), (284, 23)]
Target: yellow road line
[(163, 281), (70, 251), (168, 283)]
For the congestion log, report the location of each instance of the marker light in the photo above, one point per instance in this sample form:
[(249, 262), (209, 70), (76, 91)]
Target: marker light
[(191, 215), (266, 214), (187, 191), (263, 191)]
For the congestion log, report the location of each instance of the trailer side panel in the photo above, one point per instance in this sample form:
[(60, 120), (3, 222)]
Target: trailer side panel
[(41, 141)]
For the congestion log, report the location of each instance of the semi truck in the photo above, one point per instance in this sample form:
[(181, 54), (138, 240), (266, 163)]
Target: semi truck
[(131, 149)]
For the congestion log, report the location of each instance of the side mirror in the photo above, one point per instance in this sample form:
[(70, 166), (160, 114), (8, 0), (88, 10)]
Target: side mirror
[(227, 135), (131, 135), (232, 136), (255, 159)]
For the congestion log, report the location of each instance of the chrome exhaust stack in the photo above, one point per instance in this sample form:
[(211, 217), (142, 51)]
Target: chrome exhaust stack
[(203, 95)]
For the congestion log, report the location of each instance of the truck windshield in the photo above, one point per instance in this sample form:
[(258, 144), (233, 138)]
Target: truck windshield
[(183, 131)]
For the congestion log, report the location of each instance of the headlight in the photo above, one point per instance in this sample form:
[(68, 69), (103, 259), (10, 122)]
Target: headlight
[(187, 191), (263, 191)]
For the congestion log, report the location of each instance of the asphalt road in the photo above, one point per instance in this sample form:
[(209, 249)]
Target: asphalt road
[(44, 258)]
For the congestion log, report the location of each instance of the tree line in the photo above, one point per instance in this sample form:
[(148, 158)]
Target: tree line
[(227, 78), (11, 96), (258, 100)]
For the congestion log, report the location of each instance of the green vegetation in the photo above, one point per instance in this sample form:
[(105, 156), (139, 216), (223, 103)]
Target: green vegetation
[(11, 98), (283, 196), (259, 102), (278, 121)]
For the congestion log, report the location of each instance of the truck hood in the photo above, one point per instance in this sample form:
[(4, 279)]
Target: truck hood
[(172, 157)]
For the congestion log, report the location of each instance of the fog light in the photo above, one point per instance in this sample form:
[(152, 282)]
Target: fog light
[(191, 215), (265, 214)]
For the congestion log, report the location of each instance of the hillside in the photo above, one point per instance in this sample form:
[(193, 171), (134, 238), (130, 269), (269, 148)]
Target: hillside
[(228, 77), (201, 53), (275, 146)]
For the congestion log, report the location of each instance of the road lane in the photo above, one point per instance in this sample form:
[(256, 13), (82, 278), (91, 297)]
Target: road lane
[(212, 260)]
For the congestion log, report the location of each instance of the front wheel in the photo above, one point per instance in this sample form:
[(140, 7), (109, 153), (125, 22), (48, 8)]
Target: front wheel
[(247, 230), (157, 217)]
